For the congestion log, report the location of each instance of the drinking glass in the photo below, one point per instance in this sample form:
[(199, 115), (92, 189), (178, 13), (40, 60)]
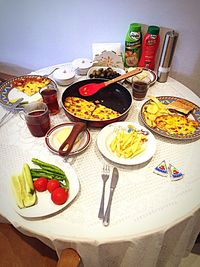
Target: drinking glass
[(140, 88), (49, 96), (37, 118)]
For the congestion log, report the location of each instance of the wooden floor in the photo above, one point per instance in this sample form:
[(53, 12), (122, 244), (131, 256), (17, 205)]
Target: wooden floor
[(17, 250)]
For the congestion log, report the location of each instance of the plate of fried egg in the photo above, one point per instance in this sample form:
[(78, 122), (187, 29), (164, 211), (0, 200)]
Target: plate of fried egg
[(26, 87), (171, 117)]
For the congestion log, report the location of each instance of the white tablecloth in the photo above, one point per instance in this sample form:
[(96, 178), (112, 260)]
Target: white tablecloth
[(154, 221)]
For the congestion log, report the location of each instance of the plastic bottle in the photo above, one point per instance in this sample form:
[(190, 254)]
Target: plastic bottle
[(150, 45), (133, 45)]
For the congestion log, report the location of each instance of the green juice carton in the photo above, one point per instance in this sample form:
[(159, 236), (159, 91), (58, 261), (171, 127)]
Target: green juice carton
[(133, 45)]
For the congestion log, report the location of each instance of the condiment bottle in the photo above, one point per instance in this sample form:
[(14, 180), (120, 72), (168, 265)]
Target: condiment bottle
[(133, 44), (150, 45)]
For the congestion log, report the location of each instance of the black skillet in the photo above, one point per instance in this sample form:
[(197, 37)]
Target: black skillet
[(114, 96)]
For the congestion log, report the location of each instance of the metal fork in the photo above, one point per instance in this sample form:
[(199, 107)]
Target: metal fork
[(105, 176), (10, 111)]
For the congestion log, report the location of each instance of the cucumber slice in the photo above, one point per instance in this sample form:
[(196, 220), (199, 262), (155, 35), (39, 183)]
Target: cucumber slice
[(23, 188), (28, 178), (30, 200), (16, 188), (30, 195)]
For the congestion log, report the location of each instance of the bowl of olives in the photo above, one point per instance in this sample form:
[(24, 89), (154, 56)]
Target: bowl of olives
[(104, 72)]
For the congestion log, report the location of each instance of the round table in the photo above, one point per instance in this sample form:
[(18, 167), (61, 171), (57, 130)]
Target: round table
[(154, 221)]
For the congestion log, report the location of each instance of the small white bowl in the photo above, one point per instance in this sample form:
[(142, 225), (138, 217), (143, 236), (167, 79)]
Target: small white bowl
[(64, 76), (82, 65)]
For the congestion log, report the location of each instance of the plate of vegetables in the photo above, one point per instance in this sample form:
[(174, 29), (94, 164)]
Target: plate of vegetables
[(126, 143), (42, 188)]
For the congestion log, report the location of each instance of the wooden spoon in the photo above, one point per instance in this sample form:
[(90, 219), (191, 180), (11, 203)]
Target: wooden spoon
[(92, 88)]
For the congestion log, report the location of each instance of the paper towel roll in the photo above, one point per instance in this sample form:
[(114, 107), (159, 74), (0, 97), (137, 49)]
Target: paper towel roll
[(167, 55)]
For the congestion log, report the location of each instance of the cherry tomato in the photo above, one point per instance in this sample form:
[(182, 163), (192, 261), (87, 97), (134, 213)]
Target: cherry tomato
[(52, 185), (59, 196), (41, 184)]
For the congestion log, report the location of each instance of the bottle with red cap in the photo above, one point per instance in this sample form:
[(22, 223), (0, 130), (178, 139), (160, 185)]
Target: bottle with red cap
[(150, 45)]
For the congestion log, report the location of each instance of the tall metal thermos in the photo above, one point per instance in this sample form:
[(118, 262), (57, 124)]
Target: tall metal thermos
[(167, 55)]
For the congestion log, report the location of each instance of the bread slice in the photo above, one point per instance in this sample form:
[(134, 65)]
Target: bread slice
[(181, 105)]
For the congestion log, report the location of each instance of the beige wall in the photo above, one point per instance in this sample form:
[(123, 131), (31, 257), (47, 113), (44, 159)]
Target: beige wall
[(35, 34)]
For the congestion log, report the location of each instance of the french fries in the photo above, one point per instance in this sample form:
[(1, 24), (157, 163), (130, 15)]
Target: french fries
[(128, 144), (154, 109)]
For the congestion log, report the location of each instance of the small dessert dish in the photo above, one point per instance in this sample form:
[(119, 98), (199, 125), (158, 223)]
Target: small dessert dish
[(59, 133)]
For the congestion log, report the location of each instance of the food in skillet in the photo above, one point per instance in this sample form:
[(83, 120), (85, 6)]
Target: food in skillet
[(30, 85), (88, 110), (128, 143), (159, 115)]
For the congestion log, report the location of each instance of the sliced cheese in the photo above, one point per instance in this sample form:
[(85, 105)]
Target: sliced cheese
[(62, 135)]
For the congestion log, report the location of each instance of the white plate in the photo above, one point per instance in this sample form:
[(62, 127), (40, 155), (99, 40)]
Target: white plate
[(106, 135), (150, 74), (53, 144), (44, 205)]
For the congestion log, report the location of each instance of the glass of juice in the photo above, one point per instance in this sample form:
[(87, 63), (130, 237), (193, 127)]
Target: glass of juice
[(37, 118), (140, 88), (49, 96)]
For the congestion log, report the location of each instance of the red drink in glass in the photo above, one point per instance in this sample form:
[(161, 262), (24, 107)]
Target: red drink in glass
[(140, 88), (37, 118), (49, 96), (38, 122)]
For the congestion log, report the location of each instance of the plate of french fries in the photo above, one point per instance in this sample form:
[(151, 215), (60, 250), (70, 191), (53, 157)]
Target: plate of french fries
[(126, 143)]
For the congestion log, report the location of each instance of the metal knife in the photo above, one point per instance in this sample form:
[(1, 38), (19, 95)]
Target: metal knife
[(115, 176)]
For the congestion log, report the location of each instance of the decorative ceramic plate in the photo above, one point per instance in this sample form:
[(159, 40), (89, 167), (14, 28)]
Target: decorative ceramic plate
[(44, 205), (9, 94), (107, 134), (141, 76), (54, 138), (195, 115)]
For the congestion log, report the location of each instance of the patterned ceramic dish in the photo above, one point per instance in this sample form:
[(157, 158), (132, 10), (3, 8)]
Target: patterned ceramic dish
[(195, 115), (9, 94)]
